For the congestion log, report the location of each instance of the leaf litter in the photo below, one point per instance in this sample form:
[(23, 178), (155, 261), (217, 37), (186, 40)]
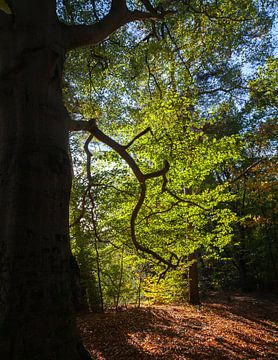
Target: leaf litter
[(224, 327)]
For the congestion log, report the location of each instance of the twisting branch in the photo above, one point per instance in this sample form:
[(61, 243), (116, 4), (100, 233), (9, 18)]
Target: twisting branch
[(158, 173), (81, 35), (164, 184), (142, 178), (164, 272), (137, 245)]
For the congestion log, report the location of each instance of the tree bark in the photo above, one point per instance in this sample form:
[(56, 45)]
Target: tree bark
[(37, 317), (193, 280)]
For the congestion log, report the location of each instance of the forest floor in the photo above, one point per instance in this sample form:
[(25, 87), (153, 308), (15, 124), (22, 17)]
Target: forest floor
[(224, 327)]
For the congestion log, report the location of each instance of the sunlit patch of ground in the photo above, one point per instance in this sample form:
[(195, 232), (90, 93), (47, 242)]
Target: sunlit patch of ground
[(238, 327)]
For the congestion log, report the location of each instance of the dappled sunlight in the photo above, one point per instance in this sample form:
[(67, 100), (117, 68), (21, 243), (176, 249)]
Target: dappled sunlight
[(218, 330)]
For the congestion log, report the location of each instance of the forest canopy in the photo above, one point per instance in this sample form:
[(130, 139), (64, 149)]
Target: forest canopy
[(197, 90)]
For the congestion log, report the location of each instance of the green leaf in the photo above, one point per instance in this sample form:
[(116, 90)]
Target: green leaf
[(5, 7)]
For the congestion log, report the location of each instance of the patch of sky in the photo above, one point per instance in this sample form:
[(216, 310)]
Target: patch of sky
[(82, 11), (137, 32), (274, 36), (249, 67)]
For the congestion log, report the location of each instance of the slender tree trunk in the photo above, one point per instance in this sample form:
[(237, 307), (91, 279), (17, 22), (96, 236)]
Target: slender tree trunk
[(99, 278), (193, 281), (119, 288), (36, 308), (193, 278), (139, 291)]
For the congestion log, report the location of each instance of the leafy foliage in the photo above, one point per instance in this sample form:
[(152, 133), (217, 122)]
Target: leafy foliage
[(188, 84)]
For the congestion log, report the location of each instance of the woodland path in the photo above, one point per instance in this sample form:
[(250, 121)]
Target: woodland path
[(224, 327)]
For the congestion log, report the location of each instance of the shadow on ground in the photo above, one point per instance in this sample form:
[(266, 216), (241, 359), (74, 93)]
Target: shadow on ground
[(233, 328)]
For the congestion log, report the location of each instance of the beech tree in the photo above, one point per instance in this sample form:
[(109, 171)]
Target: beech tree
[(36, 305), (37, 320)]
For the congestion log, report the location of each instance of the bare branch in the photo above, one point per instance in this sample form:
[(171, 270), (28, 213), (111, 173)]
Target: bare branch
[(121, 151), (142, 180), (95, 131), (165, 181), (163, 274), (118, 5)]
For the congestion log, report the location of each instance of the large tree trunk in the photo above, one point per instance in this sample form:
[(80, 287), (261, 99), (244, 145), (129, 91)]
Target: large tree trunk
[(36, 311)]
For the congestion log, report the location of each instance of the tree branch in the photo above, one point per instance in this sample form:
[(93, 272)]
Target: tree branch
[(154, 78), (81, 35), (148, 129), (160, 172), (185, 201), (212, 16), (245, 171), (151, 213), (137, 245), (82, 211), (149, 6), (92, 127)]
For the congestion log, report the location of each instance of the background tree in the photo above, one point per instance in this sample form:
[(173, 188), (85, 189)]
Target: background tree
[(254, 248)]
